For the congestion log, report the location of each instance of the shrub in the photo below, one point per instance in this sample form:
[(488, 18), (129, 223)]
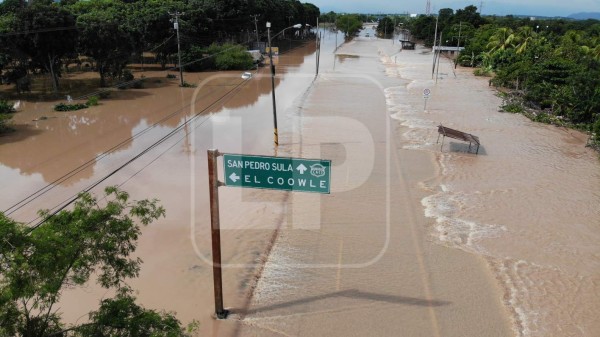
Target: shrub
[(139, 84), (513, 107), (92, 101), (6, 109), (194, 59), (187, 85), (222, 57), (233, 57), (127, 76), (104, 94), (70, 107), (171, 76), (482, 72), (596, 130)]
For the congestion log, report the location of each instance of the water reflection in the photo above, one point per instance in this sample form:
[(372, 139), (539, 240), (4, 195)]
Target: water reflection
[(48, 144)]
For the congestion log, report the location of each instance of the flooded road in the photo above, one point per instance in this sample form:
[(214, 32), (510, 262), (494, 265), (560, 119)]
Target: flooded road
[(528, 203), (416, 236)]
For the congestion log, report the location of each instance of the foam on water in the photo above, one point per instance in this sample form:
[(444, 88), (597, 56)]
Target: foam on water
[(453, 231), (515, 207)]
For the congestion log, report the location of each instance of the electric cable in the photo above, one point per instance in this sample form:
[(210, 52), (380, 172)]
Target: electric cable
[(15, 207), (72, 199)]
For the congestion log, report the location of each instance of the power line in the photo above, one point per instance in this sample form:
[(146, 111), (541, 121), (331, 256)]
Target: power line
[(35, 195), (74, 198)]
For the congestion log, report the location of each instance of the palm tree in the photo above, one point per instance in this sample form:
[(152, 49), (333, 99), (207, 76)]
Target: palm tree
[(501, 40), (525, 37)]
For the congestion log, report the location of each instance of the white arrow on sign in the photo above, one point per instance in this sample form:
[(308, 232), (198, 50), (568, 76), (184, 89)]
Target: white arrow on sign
[(301, 168), (234, 177)]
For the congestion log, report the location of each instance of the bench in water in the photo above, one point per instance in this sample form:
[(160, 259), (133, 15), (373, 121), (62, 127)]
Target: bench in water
[(465, 137)]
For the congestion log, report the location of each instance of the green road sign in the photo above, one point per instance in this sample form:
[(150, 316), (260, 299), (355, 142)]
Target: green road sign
[(277, 173)]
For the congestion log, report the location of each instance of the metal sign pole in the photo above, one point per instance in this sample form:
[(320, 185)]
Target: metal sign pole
[(213, 185)]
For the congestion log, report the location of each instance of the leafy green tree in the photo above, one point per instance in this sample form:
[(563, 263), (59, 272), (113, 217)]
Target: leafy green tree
[(52, 36), (328, 17), (349, 24), (121, 316), (104, 36), (469, 15), (423, 28), (385, 27), (502, 39), (37, 264), (311, 12)]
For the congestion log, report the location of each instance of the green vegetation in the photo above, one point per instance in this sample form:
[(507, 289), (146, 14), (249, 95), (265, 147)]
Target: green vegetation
[(70, 107), (385, 27), (6, 111), (44, 36), (225, 57), (349, 24), (88, 243), (552, 65), (92, 101)]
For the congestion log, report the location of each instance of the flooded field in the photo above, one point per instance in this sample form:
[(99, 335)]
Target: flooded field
[(53, 155)]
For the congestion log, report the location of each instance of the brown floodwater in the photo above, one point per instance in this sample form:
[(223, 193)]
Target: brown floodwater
[(62, 153), (528, 202)]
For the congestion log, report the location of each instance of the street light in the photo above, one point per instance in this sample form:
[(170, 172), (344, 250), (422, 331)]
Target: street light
[(275, 135)]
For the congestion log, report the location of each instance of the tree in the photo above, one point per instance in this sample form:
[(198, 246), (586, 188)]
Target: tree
[(38, 263), (52, 36), (105, 37), (121, 316), (385, 26), (469, 14), (502, 39), (350, 24)]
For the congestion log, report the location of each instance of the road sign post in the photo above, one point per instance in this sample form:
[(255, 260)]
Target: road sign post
[(215, 230), (277, 173), (426, 94)]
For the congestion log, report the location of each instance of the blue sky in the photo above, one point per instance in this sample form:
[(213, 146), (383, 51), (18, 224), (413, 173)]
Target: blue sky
[(498, 7)]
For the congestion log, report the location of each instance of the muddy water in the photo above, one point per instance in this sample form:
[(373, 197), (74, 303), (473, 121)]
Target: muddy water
[(528, 202), (227, 113)]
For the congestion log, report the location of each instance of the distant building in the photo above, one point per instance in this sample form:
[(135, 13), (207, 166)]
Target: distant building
[(413, 15)]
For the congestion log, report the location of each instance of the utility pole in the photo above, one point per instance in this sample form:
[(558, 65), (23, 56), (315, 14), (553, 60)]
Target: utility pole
[(275, 133), (177, 14), (394, 31), (256, 26), (434, 42), (458, 44), (437, 70)]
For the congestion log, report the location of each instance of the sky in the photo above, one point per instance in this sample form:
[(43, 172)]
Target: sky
[(490, 7)]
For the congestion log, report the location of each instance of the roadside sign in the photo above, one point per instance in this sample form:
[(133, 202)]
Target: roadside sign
[(277, 173), (426, 93)]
